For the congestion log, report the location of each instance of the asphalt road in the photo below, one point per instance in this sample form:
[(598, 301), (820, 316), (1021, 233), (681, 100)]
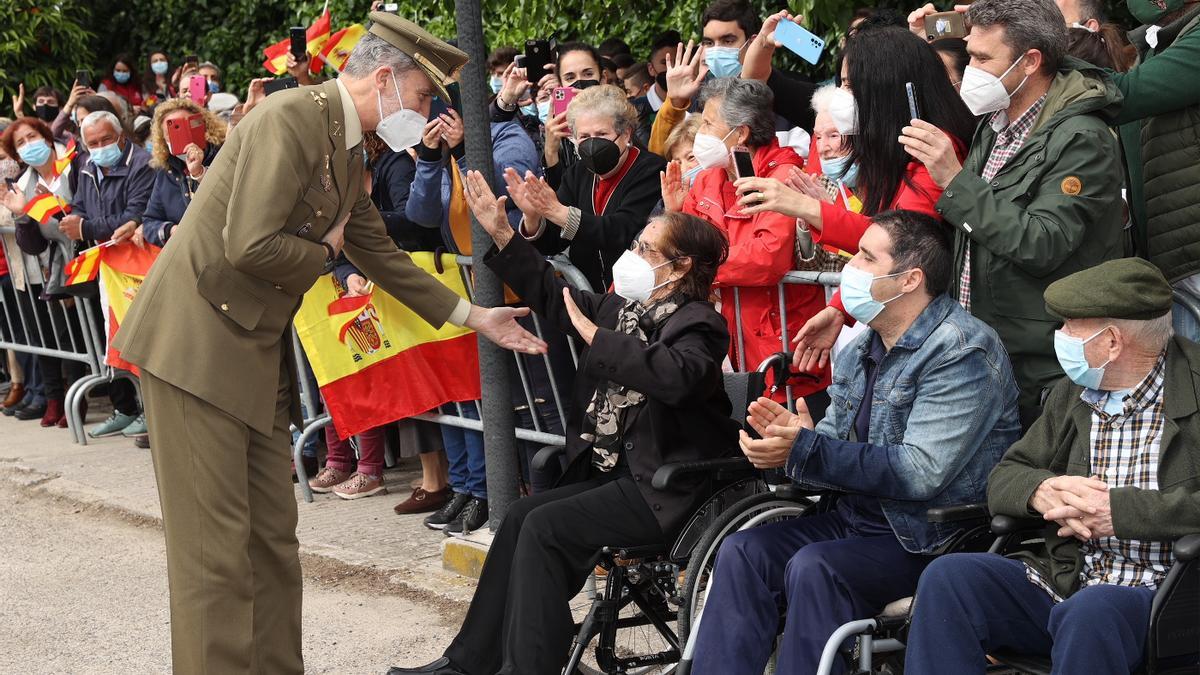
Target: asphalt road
[(84, 590)]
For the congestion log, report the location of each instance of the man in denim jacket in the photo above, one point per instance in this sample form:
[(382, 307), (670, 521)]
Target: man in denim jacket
[(923, 406)]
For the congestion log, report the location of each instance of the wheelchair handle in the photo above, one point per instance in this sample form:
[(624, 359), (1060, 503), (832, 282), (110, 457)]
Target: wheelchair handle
[(668, 474)]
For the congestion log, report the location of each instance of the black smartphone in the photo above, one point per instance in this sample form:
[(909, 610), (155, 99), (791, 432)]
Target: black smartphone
[(914, 110), (537, 57), (280, 84), (84, 78), (299, 38), (192, 59), (455, 97), (743, 163)]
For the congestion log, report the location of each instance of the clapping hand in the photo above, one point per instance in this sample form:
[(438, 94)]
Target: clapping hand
[(778, 429), (674, 189), (14, 200), (518, 190), (808, 185), (685, 74), (583, 325), (815, 340), (488, 209)]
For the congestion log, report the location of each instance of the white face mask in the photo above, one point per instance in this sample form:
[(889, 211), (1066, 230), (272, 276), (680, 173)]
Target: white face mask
[(844, 111), (402, 129), (710, 151), (984, 93), (633, 277)]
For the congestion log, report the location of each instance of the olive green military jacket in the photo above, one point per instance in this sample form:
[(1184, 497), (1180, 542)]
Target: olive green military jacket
[(214, 315)]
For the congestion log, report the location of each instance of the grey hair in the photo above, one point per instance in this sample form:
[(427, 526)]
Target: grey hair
[(1149, 335), (1027, 24), (747, 103), (100, 116), (371, 52), (211, 65), (604, 100)]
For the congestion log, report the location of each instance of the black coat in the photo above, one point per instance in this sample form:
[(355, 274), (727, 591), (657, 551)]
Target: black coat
[(686, 415), (602, 239)]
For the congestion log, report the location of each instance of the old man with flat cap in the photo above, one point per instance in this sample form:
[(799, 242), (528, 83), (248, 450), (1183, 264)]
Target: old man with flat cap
[(210, 331), (1110, 468)]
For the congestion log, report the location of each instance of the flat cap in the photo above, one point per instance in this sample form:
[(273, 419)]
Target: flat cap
[(439, 60), (1128, 288)]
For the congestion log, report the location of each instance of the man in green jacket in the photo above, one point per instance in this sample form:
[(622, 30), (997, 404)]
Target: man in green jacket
[(1110, 466), (1039, 195), (1160, 135)]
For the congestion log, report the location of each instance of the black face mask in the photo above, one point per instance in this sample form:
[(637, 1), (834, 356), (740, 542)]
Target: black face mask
[(599, 155), (580, 85), (661, 81), (46, 113)]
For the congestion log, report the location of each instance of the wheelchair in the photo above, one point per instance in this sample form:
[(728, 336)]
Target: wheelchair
[(1173, 636)]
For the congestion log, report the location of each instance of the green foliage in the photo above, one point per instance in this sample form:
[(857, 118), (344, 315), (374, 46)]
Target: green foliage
[(40, 45), (44, 41)]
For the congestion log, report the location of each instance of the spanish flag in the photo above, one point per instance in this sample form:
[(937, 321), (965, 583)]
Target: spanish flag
[(46, 206), (123, 268), (376, 361), (337, 49), (84, 267), (318, 35), (65, 160)]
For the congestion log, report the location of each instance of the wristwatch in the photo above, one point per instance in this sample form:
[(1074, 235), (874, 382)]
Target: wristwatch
[(330, 257)]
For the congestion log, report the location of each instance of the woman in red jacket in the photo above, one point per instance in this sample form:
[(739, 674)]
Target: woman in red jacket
[(870, 109), (737, 115)]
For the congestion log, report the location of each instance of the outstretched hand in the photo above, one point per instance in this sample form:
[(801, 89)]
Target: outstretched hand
[(674, 190), (583, 325), (686, 70), (488, 209), (815, 340), (499, 324)]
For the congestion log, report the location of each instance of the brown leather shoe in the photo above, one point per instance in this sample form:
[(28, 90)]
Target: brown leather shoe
[(15, 394), (424, 502)]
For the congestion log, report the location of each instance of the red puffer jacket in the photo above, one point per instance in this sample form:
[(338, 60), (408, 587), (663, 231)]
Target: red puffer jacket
[(760, 252)]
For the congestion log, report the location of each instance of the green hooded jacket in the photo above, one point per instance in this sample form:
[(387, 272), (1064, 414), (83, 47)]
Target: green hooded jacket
[(1052, 210)]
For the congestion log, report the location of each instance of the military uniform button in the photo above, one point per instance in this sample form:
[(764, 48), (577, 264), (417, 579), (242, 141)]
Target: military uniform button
[(318, 213), (278, 287), (224, 307)]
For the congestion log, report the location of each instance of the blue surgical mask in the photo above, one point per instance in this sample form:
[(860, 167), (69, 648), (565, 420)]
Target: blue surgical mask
[(106, 156), (1074, 362), (159, 67), (689, 176), (213, 87), (723, 61), (149, 146), (35, 153), (543, 110), (496, 83), (1115, 403), (856, 293), (531, 110), (121, 76), (840, 168)]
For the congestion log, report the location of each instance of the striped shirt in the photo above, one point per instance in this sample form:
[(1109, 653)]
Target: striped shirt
[(1124, 453)]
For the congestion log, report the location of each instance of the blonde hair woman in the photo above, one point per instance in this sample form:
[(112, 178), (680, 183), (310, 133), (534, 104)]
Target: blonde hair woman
[(179, 175)]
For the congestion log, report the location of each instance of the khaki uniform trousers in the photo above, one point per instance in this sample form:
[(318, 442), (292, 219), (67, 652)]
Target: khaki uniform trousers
[(229, 515)]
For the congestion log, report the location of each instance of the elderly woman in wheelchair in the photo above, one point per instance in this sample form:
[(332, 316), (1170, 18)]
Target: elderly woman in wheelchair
[(923, 406), (649, 391)]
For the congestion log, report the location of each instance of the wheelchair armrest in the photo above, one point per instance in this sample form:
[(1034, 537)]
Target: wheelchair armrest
[(1187, 547), (1002, 524), (957, 514), (545, 456), (669, 473)]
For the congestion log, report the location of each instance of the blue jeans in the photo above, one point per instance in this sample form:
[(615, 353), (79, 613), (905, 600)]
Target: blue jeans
[(971, 603), (464, 453), (821, 569)]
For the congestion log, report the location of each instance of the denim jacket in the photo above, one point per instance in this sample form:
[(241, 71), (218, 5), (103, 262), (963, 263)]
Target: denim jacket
[(943, 413)]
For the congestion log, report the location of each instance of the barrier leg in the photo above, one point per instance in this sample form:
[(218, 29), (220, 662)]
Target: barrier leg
[(298, 449), (75, 397)]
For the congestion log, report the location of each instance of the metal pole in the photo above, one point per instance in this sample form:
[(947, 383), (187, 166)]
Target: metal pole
[(500, 449)]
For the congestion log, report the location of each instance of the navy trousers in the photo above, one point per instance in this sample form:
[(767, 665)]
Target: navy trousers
[(971, 603), (819, 568)]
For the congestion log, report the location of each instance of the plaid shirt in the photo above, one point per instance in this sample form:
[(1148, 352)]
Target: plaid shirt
[(1008, 142), (1124, 453)]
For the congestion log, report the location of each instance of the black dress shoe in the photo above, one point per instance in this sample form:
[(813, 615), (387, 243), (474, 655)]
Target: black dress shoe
[(443, 666), (31, 412)]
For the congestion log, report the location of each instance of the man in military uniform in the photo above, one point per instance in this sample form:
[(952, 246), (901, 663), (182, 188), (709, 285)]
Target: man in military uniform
[(210, 331)]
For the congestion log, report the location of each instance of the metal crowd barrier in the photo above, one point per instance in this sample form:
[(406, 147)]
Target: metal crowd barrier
[(317, 420), (44, 328)]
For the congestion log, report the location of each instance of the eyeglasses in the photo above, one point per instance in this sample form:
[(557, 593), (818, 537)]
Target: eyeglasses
[(642, 249)]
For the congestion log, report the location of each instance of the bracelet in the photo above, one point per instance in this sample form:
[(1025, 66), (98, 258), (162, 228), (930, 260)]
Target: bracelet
[(506, 107)]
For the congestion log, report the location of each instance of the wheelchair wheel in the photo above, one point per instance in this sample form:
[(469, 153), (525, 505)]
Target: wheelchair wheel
[(629, 643), (752, 511)]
